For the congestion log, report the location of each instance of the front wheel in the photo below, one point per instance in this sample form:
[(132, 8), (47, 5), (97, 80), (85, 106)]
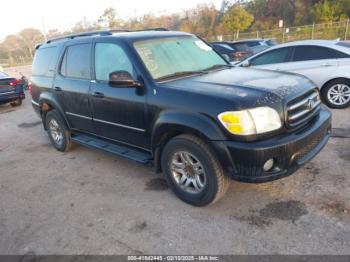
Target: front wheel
[(192, 171), (336, 94)]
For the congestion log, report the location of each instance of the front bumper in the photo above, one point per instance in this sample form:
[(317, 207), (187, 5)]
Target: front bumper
[(289, 151)]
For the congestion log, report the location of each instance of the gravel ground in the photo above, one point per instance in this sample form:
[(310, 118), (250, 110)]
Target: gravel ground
[(88, 202)]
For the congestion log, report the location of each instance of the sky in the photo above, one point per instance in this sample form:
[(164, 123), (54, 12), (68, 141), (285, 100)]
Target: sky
[(62, 14)]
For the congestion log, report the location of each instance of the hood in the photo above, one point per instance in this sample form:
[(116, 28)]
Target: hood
[(261, 86)]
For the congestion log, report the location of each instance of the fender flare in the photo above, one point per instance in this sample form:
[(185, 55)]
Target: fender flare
[(52, 101), (187, 122)]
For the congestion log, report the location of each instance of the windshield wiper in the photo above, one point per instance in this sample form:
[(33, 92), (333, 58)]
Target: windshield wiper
[(182, 73), (218, 66)]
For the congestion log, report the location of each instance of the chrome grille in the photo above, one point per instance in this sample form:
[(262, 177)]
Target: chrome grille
[(303, 109)]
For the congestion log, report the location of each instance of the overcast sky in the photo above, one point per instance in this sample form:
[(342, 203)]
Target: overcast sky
[(62, 14)]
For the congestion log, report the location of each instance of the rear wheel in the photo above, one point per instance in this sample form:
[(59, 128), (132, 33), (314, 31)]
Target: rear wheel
[(192, 171), (58, 132), (336, 94), (18, 102)]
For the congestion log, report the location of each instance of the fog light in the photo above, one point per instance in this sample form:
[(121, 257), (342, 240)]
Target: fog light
[(268, 165)]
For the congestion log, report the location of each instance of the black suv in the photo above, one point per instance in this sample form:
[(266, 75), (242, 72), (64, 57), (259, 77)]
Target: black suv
[(168, 99)]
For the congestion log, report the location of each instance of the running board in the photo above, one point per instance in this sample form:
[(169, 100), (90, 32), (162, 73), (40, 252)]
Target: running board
[(112, 148)]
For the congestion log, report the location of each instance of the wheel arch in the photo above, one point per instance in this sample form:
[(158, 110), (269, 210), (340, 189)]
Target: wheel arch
[(48, 102), (172, 124), (333, 79)]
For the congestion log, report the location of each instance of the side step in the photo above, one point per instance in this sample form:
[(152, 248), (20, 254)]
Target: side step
[(109, 147)]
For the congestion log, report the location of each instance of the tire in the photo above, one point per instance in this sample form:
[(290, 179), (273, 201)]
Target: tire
[(18, 102), (213, 182), (330, 90), (58, 132)]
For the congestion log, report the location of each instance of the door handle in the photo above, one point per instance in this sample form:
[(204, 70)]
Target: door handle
[(326, 65), (57, 88), (98, 94)]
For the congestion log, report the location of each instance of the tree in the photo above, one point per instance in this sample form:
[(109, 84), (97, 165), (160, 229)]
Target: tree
[(109, 16), (236, 19), (324, 12)]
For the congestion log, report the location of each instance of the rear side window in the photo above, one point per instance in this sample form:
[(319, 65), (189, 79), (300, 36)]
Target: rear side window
[(281, 55), (45, 61), (307, 53), (76, 62)]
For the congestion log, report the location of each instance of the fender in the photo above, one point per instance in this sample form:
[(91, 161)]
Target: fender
[(188, 122), (52, 100)]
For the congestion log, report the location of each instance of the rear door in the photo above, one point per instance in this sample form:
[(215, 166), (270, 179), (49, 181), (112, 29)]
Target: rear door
[(72, 84)]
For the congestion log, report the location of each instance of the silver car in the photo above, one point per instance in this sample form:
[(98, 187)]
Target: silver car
[(325, 62)]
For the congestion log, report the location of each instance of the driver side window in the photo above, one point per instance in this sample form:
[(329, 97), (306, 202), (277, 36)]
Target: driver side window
[(281, 55), (110, 57)]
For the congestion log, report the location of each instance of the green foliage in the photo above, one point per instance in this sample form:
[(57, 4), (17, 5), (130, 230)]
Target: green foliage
[(236, 19), (324, 12)]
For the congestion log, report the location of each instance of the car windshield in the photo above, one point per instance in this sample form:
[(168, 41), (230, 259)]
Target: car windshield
[(176, 56)]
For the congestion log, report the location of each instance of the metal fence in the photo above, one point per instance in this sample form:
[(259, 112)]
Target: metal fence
[(335, 30)]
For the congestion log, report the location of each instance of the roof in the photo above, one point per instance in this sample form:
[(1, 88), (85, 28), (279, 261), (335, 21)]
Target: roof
[(130, 35), (311, 42)]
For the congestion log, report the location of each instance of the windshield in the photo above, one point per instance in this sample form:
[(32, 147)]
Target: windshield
[(174, 55)]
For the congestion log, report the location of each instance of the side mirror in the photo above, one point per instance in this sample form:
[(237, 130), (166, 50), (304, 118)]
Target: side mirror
[(246, 63), (122, 79), (227, 57)]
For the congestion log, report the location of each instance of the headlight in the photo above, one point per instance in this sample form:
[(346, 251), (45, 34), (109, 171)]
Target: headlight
[(251, 122)]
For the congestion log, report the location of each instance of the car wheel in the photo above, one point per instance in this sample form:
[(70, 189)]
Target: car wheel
[(18, 102), (192, 171), (336, 94), (58, 132)]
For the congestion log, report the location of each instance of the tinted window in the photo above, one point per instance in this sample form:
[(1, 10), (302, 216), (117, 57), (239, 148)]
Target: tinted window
[(110, 58), (76, 62), (253, 43), (45, 61), (273, 57), (241, 47), (306, 53), (224, 49)]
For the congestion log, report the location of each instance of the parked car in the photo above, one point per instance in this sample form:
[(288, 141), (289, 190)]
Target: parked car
[(240, 50), (255, 45), (169, 100), (11, 90), (233, 54), (327, 63)]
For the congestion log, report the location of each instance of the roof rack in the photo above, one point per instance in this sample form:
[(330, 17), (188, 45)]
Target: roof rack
[(102, 33)]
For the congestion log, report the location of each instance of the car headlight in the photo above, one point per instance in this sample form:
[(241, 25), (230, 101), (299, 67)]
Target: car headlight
[(251, 122)]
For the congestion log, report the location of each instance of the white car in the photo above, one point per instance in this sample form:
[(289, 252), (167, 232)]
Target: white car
[(325, 62)]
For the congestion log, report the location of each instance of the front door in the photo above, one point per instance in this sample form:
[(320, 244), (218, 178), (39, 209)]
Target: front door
[(118, 113)]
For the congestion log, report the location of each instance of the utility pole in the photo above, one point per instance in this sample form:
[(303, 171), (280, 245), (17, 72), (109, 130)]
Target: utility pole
[(313, 31), (44, 28), (346, 29)]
